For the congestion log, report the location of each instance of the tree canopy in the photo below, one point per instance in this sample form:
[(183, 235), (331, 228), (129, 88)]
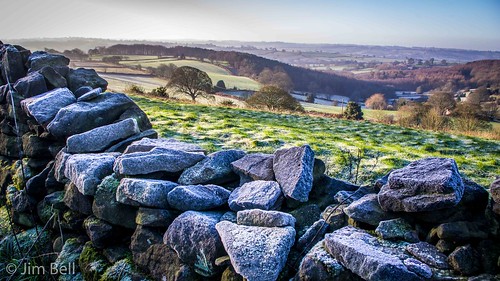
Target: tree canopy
[(376, 101), (191, 81), (274, 98), (353, 111)]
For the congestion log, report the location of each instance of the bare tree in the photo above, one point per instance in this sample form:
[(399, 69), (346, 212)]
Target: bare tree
[(274, 98), (191, 81), (376, 101)]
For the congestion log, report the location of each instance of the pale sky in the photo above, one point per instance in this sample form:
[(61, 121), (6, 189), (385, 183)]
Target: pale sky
[(464, 24)]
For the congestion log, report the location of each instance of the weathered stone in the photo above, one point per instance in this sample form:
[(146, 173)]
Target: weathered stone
[(461, 231), (11, 64), (100, 138), (495, 190), (115, 253), (319, 169), (144, 192), (122, 145), (99, 232), (465, 260), (197, 197), (143, 238), (368, 210), (82, 91), (396, 229), (35, 187), (257, 217), (313, 235), (318, 264), (90, 95), (293, 169), (229, 216), (156, 160), (69, 255), (489, 253), (77, 201), (9, 146), (31, 85), (85, 77), (145, 145), (107, 208), (60, 165), (140, 116), (194, 237), (92, 263), (230, 275), (39, 60), (428, 254), (264, 195), (418, 267), (349, 196), (87, 170), (214, 169), (364, 255), (84, 116), (305, 217), (154, 217), (153, 261), (334, 216), (44, 107), (122, 270), (36, 147), (256, 166), (424, 185), (257, 253), (53, 78)]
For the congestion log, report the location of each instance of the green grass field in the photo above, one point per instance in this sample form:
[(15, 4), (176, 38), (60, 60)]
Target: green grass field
[(367, 113), (215, 72), (382, 147)]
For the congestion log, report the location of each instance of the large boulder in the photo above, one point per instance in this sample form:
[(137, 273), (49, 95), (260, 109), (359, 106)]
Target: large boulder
[(145, 145), (256, 253), (87, 170), (367, 210), (465, 260), (194, 237), (198, 197), (31, 85), (215, 169), (257, 217), (293, 169), (156, 160), (44, 107), (84, 116), (265, 195), (12, 66), (39, 60), (367, 257), (255, 166), (144, 192), (85, 77), (424, 185), (108, 209), (98, 139)]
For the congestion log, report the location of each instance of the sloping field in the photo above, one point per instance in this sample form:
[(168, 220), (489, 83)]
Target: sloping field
[(381, 147)]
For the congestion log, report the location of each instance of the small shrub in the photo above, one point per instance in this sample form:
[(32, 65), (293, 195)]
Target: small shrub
[(135, 89), (228, 103), (353, 111), (160, 92)]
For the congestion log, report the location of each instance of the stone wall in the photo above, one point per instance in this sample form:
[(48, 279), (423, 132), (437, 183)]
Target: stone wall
[(119, 203)]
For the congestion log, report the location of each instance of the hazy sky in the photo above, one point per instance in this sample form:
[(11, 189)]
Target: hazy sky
[(470, 24)]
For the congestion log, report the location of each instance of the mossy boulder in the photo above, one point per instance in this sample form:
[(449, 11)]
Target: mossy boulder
[(92, 263)]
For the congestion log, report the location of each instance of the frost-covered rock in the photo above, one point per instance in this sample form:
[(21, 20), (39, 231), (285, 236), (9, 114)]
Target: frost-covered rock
[(98, 139), (214, 169), (156, 160), (396, 229), (424, 185), (257, 217), (367, 210), (293, 169), (194, 237), (40, 59), (144, 192), (197, 197), (145, 145), (256, 253), (255, 166), (428, 254), (265, 195), (44, 107)]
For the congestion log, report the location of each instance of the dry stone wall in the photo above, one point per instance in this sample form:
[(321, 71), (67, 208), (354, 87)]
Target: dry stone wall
[(84, 172)]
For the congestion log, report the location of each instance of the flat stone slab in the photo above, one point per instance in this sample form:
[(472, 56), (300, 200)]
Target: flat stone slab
[(425, 185), (86, 171), (257, 217), (144, 192), (100, 138), (428, 254), (265, 195), (156, 160), (364, 255), (145, 145), (256, 253), (293, 169), (44, 107), (198, 197)]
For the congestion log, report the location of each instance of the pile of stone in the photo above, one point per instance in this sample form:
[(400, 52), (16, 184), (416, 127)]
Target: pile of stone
[(134, 206)]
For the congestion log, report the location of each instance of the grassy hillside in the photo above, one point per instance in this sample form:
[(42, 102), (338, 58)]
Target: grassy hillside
[(382, 147), (215, 72)]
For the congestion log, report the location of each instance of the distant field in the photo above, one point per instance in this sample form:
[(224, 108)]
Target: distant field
[(383, 147), (367, 113), (215, 72)]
